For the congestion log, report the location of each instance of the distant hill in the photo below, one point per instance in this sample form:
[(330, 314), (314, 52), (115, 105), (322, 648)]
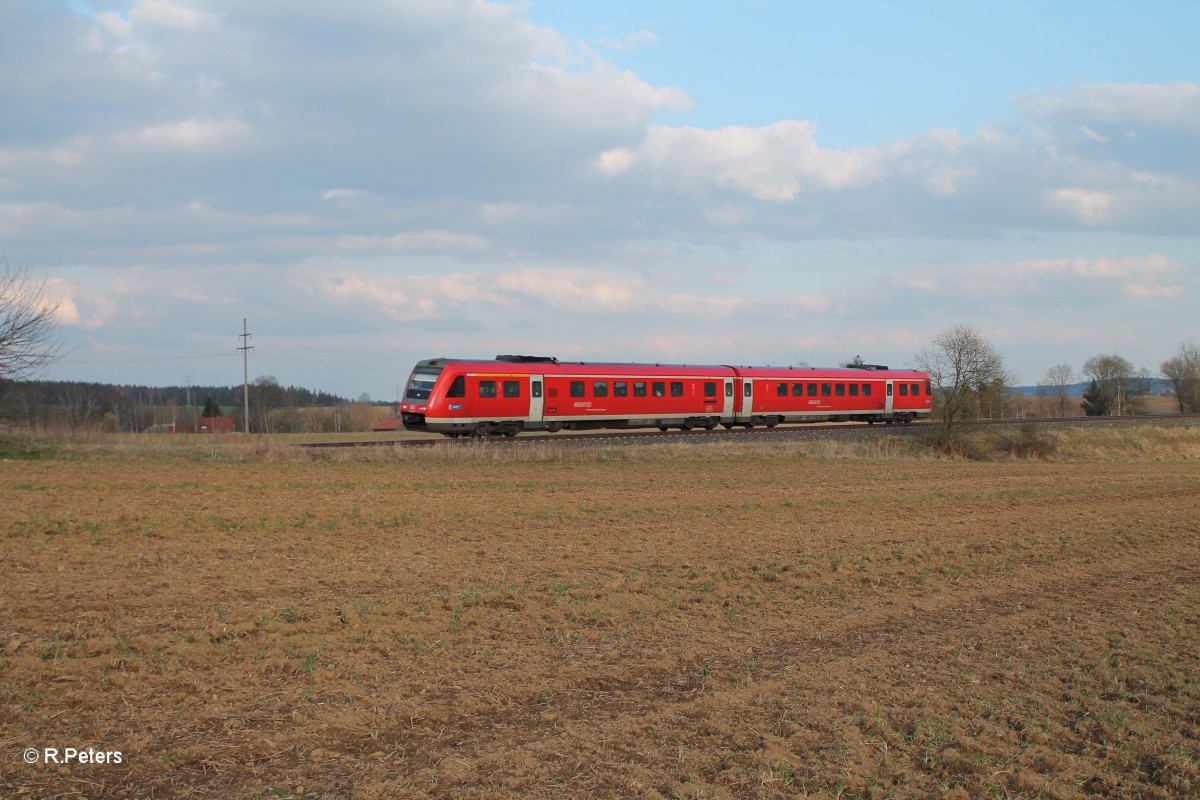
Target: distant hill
[(1158, 388)]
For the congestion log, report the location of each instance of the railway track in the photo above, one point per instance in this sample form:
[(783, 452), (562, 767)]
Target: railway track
[(781, 433)]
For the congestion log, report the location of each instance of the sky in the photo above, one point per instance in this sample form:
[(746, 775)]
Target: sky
[(372, 182)]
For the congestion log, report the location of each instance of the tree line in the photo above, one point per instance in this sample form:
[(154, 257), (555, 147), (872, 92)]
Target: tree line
[(80, 406), (971, 381), (1116, 388)]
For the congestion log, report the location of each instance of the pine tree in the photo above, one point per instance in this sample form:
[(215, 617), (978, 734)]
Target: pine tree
[(1095, 402), (211, 409)]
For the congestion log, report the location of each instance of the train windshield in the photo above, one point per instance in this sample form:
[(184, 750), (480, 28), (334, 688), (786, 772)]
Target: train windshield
[(421, 384)]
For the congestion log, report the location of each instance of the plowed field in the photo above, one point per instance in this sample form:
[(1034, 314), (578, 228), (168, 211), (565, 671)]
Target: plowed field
[(680, 624)]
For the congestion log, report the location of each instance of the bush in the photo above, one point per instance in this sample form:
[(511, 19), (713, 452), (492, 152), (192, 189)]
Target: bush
[(1029, 441)]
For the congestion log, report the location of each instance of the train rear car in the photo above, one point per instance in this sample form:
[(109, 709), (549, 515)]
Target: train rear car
[(870, 393)]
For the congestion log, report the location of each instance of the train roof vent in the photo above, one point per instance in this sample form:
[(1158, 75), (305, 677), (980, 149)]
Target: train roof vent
[(528, 359), (871, 367)]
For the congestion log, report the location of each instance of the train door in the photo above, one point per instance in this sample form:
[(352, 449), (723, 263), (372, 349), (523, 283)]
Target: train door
[(887, 408), (536, 400), (727, 410), (747, 398)]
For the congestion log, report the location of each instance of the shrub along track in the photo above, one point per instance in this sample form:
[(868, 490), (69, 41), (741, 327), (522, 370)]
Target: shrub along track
[(653, 623)]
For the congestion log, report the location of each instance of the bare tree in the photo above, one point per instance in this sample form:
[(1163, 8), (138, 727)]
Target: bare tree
[(268, 396), (28, 333), (1183, 371), (1057, 379), (962, 365), (1116, 386), (80, 406)]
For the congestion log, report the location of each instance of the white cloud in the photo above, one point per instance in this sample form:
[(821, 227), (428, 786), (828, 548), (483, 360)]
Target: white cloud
[(773, 163), (631, 41), (426, 241), (166, 14), (1089, 207), (1170, 106), (195, 135), (1042, 282)]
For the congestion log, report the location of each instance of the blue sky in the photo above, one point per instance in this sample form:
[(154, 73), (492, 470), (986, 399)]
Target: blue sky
[(371, 183)]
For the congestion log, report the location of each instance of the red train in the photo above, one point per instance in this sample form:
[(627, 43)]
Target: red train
[(533, 393)]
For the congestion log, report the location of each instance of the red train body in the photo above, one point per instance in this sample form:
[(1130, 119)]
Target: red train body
[(522, 393)]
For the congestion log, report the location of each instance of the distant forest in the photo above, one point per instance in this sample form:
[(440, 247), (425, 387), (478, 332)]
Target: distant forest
[(81, 406)]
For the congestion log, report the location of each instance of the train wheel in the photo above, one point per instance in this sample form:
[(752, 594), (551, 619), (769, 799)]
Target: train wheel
[(727, 426), (708, 426), (663, 428), (687, 426)]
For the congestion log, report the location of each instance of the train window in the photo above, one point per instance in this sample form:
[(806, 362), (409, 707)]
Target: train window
[(710, 388), (916, 390), (854, 390), (889, 390), (729, 388), (535, 388), (487, 388), (746, 388), (577, 389), (839, 389), (458, 388), (797, 390), (420, 385), (904, 390), (929, 388), (812, 390), (826, 390), (781, 389), (512, 388), (600, 388), (866, 390), (658, 388), (639, 388), (620, 389), (676, 388)]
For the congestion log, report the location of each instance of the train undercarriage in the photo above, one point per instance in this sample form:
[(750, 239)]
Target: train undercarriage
[(488, 428)]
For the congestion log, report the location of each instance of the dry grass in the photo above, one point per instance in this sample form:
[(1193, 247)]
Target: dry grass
[(1061, 444)]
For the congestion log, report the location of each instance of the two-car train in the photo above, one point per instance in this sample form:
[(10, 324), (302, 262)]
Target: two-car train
[(510, 394)]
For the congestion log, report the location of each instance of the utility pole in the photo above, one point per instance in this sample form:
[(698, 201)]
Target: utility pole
[(245, 348)]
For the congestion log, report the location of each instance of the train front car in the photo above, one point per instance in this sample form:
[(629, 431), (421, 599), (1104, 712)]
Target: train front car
[(473, 398), (418, 394)]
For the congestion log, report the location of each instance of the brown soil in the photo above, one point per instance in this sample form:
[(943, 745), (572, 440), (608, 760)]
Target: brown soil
[(744, 625)]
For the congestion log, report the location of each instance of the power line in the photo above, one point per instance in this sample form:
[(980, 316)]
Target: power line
[(139, 359)]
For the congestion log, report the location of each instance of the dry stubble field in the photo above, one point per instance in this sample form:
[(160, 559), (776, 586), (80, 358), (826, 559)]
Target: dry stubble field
[(677, 621)]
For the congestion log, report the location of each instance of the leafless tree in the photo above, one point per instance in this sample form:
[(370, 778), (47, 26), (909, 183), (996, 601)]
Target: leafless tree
[(1118, 386), (80, 406), (1183, 371), (28, 332), (962, 365), (1057, 379)]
